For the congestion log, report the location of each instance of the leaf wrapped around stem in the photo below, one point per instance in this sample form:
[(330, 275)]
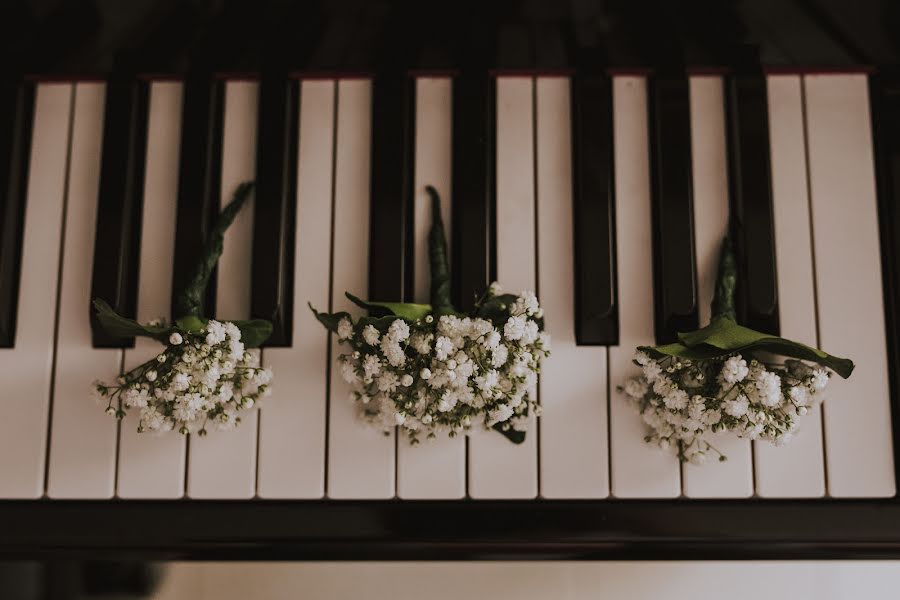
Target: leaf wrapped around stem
[(723, 336), (190, 300), (726, 282), (189, 308), (437, 254)]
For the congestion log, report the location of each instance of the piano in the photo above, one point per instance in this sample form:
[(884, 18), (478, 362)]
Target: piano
[(589, 150)]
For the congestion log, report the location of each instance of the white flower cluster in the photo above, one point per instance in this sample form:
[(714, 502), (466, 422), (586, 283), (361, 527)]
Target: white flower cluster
[(200, 379), (445, 375), (681, 400)]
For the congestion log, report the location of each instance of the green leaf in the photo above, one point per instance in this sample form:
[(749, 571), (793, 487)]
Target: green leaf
[(516, 437), (254, 332), (190, 299), (382, 324), (119, 326), (329, 320), (405, 310), (723, 337), (191, 323)]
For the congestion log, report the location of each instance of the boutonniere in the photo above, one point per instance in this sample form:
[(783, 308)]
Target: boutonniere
[(430, 369), (204, 375), (727, 378)]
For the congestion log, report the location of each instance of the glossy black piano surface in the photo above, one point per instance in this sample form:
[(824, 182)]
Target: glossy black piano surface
[(279, 43)]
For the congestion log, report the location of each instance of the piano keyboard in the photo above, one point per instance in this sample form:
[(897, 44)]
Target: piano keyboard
[(609, 197)]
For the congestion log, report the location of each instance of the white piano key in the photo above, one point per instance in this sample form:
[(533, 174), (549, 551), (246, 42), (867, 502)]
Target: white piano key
[(82, 436), (223, 464), (638, 470), (434, 468), (26, 368), (152, 466), (858, 448), (293, 419), (797, 469), (574, 447), (732, 478), (497, 467), (360, 457)]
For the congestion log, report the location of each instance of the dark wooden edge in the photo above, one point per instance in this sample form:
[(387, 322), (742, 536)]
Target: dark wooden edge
[(452, 530), (625, 70)]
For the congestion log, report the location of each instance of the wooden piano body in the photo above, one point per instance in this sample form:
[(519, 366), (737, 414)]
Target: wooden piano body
[(590, 150)]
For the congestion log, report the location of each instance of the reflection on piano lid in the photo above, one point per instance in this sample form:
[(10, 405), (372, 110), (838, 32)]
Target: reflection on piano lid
[(590, 151)]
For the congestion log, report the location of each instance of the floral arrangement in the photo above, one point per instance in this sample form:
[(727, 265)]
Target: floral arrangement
[(205, 375), (430, 369), (727, 378)]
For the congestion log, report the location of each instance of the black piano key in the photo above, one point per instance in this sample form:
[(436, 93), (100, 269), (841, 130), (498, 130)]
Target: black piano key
[(119, 204), (199, 180), (474, 108), (596, 313), (16, 117), (276, 196), (751, 201), (674, 265), (884, 92), (390, 238)]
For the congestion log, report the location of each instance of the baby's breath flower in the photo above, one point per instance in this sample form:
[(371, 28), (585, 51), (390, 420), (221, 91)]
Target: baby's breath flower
[(735, 369), (345, 329), (445, 375), (681, 401), (370, 335), (202, 378), (819, 379)]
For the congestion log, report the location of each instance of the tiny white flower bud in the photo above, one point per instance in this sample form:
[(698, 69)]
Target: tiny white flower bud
[(451, 364), (425, 373), (151, 375), (429, 319), (175, 339), (698, 458), (110, 411), (161, 358)]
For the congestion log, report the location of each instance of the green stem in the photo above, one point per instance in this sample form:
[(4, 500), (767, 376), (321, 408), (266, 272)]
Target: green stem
[(437, 253), (726, 281), (190, 300)]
